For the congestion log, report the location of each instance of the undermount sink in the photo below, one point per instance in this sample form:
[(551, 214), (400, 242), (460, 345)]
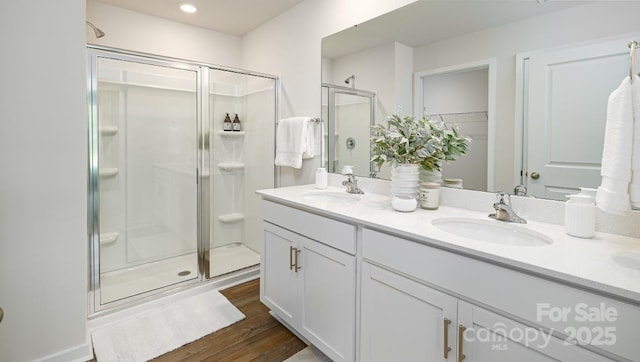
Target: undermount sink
[(330, 196), (492, 231), (627, 260)]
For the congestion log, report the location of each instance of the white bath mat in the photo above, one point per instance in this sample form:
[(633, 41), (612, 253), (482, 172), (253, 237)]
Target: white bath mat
[(162, 329), (308, 354)]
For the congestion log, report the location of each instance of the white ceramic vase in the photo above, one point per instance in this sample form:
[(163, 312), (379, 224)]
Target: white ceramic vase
[(405, 179)]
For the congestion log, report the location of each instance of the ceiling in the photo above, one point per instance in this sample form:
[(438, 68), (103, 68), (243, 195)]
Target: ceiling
[(236, 17), (429, 21)]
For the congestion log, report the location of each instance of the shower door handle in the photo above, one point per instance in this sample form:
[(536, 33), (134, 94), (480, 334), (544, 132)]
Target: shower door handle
[(1, 314)]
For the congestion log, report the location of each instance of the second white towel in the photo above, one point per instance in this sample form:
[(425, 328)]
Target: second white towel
[(613, 193), (634, 186)]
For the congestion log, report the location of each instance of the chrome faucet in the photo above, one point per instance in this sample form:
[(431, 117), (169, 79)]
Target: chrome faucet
[(504, 211), (352, 184), (520, 190)]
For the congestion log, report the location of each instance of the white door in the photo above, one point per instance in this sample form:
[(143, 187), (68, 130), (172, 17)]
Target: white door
[(488, 337), (567, 98), (403, 320), (278, 280), (328, 299)]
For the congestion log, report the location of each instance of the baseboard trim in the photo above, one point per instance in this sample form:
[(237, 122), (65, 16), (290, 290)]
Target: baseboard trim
[(81, 353)]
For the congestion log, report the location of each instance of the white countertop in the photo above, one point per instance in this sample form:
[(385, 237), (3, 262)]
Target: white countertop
[(584, 262)]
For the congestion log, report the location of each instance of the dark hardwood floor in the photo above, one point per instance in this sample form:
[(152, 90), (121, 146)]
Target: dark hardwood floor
[(258, 337)]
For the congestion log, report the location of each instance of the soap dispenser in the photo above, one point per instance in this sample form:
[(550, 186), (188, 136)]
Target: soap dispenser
[(321, 178), (580, 216), (235, 125)]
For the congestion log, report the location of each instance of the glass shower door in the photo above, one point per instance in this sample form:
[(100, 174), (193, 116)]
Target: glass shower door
[(144, 169), (241, 163)]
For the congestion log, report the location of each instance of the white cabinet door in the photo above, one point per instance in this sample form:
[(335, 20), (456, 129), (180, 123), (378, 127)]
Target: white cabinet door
[(278, 281), (484, 336), (403, 320), (568, 91), (312, 288), (328, 301)]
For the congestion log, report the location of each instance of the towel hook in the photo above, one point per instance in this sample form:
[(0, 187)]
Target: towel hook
[(632, 53)]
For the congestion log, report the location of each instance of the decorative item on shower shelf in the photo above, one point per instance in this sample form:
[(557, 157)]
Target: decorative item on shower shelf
[(227, 125), (235, 125), (426, 142)]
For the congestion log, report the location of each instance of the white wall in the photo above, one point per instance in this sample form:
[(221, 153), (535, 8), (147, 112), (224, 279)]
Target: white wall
[(135, 31), (290, 47), (585, 23), (43, 193)]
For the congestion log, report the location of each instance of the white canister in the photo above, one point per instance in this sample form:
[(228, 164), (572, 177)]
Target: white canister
[(580, 216), (321, 178), (429, 195)]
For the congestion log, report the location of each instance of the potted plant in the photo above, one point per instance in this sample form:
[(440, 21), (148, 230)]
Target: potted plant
[(425, 141), (411, 144)]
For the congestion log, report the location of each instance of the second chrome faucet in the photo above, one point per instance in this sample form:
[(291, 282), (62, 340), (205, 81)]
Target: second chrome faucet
[(504, 212)]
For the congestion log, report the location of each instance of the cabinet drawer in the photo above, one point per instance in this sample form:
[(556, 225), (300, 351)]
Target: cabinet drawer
[(567, 311), (336, 234)]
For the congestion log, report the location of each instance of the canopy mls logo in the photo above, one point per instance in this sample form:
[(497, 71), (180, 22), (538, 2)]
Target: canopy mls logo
[(583, 324)]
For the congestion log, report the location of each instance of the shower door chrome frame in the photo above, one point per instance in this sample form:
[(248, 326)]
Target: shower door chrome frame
[(94, 53), (95, 309)]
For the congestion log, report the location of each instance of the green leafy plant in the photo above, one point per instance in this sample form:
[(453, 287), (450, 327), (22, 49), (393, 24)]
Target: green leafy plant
[(427, 142)]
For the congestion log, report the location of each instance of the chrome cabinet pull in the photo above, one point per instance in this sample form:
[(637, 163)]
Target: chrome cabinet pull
[(293, 259), (447, 349), (461, 330), (291, 264), (296, 266)]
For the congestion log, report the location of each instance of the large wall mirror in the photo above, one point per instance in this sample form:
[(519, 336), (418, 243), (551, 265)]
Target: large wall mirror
[(527, 80)]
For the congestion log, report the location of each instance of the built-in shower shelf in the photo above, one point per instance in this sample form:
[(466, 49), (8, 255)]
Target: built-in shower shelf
[(108, 130), (108, 238), (231, 218), (108, 172), (231, 134), (231, 166)]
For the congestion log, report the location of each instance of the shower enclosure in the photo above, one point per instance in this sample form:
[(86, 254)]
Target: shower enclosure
[(349, 115), (171, 195)]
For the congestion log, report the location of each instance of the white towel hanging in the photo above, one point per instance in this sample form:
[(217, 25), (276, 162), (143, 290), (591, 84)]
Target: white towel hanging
[(295, 141), (613, 193)]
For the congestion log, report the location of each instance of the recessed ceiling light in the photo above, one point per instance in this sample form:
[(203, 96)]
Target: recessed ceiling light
[(188, 8)]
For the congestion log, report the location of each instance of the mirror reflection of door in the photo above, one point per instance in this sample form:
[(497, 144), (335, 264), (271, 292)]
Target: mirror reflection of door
[(349, 115), (460, 99), (567, 92)]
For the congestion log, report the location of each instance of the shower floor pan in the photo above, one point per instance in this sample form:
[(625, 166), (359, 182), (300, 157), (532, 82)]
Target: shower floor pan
[(121, 284)]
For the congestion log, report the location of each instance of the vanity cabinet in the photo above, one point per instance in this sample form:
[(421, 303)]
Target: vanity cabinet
[(404, 320), (415, 299), (495, 313), (310, 284)]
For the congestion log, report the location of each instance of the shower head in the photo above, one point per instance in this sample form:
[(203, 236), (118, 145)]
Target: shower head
[(352, 78), (99, 33)]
